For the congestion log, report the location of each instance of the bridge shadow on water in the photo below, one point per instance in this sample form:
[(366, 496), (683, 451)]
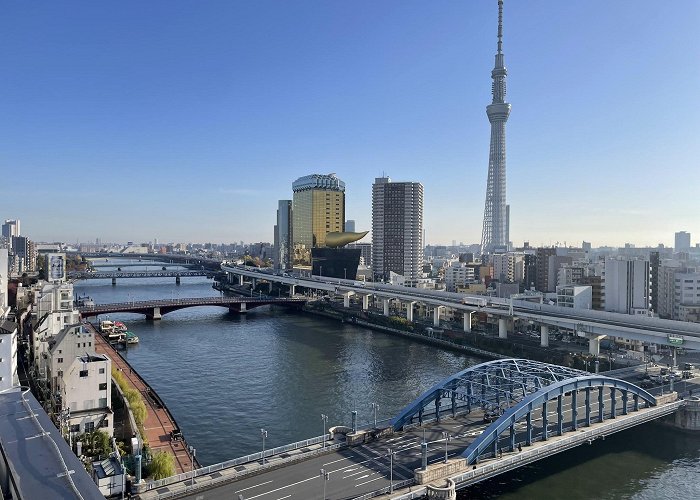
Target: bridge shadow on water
[(650, 461)]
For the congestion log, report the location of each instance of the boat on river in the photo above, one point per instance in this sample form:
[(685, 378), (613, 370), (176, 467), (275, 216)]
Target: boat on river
[(131, 338)]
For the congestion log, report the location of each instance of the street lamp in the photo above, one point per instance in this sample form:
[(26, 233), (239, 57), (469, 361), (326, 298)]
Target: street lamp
[(324, 421), (263, 433), (325, 477), (391, 470), (447, 440), (374, 407), (193, 452)]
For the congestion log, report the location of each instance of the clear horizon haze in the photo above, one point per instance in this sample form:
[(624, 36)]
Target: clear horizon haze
[(187, 121)]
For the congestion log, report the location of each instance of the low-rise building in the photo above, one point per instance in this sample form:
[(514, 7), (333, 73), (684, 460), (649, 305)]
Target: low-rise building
[(575, 296)]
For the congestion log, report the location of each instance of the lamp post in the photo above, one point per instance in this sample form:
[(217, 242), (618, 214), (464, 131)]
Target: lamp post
[(345, 272), (447, 440), (391, 470), (193, 452), (324, 421), (374, 407), (263, 433), (325, 477)]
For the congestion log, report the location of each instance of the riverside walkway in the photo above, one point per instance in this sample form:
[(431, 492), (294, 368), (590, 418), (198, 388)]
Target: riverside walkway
[(159, 422)]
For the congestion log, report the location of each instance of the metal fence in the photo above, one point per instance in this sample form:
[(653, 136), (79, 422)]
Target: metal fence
[(253, 457)]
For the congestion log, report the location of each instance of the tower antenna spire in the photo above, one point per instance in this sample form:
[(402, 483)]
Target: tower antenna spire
[(500, 26)]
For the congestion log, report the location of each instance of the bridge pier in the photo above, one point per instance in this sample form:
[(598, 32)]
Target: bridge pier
[(436, 315), (502, 328), (468, 321), (544, 336), (155, 315), (114, 281), (177, 280), (688, 417)]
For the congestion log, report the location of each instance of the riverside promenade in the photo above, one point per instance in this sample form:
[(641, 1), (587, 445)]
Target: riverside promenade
[(159, 422)]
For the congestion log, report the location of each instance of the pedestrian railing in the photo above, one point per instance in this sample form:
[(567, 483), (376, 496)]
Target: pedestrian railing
[(253, 457), (388, 489)]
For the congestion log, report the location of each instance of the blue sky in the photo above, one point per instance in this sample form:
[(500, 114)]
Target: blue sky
[(187, 120)]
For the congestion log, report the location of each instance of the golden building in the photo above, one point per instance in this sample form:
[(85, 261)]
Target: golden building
[(318, 208)]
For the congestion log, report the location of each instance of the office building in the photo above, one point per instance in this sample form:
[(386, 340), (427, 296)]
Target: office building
[(397, 229), (575, 296), (350, 226), (10, 228), (682, 242), (318, 208), (282, 258), (627, 286)]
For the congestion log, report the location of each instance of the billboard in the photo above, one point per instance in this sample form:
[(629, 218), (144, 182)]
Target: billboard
[(56, 267)]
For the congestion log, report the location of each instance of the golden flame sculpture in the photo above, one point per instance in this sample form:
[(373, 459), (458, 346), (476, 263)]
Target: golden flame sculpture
[(337, 239)]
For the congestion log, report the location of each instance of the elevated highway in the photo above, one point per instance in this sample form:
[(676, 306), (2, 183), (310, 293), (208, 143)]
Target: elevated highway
[(594, 325)]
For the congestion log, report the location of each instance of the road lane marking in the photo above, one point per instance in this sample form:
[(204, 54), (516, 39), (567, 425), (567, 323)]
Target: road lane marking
[(375, 479), (339, 460), (283, 487), (251, 487), (282, 498)]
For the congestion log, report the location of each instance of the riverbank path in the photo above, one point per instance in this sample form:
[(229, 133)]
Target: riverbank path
[(158, 422)]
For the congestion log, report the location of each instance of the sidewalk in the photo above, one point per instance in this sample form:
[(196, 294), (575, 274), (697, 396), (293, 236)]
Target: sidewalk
[(158, 422)]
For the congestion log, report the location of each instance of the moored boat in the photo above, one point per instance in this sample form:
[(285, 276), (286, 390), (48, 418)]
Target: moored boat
[(131, 338)]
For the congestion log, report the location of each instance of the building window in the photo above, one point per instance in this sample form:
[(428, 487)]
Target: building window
[(102, 370), (103, 386), (75, 428), (102, 403), (83, 373), (60, 360), (89, 426), (105, 423)]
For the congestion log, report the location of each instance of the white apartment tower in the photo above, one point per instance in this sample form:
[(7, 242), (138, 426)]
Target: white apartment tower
[(397, 229)]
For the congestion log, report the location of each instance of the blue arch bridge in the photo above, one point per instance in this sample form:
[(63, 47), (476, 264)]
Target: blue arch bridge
[(509, 412)]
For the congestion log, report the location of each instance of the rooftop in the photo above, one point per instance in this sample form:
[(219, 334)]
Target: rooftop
[(39, 461)]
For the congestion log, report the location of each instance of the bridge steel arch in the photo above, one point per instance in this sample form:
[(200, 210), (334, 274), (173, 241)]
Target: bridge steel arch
[(531, 405), (511, 389)]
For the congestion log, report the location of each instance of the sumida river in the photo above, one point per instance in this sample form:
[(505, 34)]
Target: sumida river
[(225, 376)]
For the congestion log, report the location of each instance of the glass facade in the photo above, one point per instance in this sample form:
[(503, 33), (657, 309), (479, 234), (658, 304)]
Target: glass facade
[(318, 209)]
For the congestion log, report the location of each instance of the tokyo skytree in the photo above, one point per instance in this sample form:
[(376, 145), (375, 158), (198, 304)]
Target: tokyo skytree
[(495, 230)]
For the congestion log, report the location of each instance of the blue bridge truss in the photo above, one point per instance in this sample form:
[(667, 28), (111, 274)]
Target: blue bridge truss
[(509, 391)]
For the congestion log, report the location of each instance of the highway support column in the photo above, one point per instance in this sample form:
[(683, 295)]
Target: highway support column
[(502, 328), (346, 299), (365, 302), (468, 321), (409, 310), (544, 336), (436, 315), (594, 345), (385, 302)]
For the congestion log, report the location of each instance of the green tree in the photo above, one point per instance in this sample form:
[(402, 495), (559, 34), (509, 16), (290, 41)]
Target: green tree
[(162, 465)]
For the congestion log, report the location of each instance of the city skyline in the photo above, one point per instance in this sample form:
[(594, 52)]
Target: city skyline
[(214, 111)]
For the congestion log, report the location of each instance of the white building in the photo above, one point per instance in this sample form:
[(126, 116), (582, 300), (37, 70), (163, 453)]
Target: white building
[(82, 380), (627, 286), (52, 312), (575, 296), (8, 354), (397, 229), (458, 275), (4, 277)]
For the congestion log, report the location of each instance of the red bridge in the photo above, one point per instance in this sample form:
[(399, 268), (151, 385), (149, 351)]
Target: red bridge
[(154, 309)]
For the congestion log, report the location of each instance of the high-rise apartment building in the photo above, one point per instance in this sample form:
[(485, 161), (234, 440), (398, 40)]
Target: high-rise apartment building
[(397, 229), (509, 267), (10, 229), (682, 242), (282, 258), (542, 268), (318, 208), (350, 226)]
